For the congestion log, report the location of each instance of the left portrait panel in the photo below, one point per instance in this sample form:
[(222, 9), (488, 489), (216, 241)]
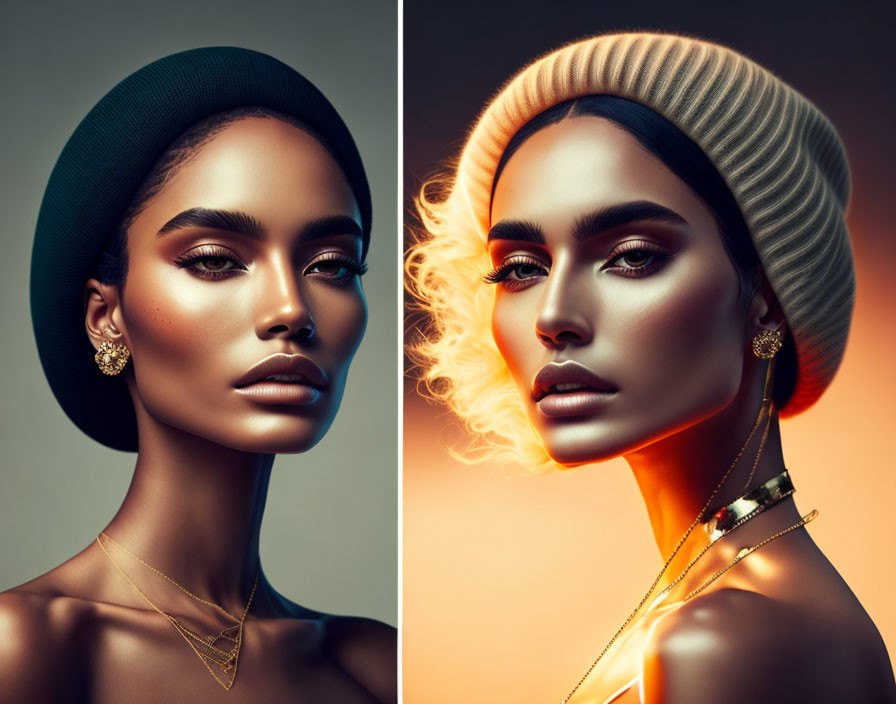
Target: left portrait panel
[(199, 410)]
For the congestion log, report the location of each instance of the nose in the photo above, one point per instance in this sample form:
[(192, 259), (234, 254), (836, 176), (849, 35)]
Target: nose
[(563, 317), (282, 310)]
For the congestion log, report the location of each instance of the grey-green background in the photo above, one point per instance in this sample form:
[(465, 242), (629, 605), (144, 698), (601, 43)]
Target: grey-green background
[(329, 539)]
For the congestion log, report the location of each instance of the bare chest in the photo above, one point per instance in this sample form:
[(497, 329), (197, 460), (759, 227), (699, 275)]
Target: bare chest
[(152, 662)]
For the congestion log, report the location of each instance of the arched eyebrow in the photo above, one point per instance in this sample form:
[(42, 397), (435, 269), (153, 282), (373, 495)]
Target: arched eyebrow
[(244, 224), (518, 230), (590, 224), (215, 219), (614, 216), (329, 226)]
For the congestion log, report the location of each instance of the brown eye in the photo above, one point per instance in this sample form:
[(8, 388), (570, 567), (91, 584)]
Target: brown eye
[(210, 262), (335, 268), (636, 258), (215, 263)]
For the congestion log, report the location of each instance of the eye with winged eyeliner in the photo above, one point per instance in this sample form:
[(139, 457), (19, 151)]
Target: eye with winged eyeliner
[(644, 257), (519, 271), (216, 262), (205, 260), (516, 272), (630, 258), (335, 267)]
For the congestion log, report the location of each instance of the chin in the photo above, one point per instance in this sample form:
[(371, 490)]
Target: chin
[(270, 443), (288, 438), (268, 435), (576, 444)]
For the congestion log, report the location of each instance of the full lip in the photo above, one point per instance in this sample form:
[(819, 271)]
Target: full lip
[(301, 370), (569, 372)]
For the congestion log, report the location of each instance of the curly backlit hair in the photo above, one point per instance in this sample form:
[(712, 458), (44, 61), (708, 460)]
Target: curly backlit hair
[(778, 162), (460, 362)]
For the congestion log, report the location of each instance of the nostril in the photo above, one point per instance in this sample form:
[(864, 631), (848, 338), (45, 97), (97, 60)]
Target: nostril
[(568, 335), (546, 340)]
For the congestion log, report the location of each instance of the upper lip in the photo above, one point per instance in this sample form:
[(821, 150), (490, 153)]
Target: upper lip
[(567, 373), (296, 364)]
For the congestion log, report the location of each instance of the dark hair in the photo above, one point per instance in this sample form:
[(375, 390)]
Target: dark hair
[(689, 163), (113, 262)]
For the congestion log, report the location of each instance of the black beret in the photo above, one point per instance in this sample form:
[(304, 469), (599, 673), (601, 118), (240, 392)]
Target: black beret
[(97, 175)]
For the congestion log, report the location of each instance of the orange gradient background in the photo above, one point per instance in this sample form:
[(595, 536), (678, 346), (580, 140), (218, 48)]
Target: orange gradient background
[(514, 582)]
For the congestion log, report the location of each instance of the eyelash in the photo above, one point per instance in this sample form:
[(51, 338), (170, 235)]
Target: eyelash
[(191, 260), (657, 253), (500, 274), (351, 265), (503, 271), (195, 258)]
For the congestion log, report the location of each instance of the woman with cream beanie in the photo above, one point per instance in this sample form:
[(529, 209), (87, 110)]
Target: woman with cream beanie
[(642, 253)]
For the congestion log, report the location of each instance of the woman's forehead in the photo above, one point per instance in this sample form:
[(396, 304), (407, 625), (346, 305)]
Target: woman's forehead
[(582, 164), (275, 171)]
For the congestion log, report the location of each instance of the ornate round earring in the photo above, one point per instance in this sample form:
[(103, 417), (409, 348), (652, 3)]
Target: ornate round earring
[(767, 343), (112, 357)]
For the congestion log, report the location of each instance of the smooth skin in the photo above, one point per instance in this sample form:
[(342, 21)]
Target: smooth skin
[(201, 305), (652, 306)]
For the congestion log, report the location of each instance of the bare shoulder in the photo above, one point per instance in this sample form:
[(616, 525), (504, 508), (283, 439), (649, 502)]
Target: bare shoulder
[(367, 650), (742, 646), (39, 657)]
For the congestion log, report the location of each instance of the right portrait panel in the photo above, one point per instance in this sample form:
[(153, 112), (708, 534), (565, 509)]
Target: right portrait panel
[(649, 386)]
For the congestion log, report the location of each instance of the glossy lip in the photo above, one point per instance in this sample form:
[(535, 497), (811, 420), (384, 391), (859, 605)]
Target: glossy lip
[(305, 389), (595, 392)]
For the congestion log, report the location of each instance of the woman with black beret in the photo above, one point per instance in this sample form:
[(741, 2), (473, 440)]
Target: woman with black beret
[(196, 298)]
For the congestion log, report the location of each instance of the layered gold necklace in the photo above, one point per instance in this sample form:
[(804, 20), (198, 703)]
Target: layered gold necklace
[(724, 521), (219, 652)]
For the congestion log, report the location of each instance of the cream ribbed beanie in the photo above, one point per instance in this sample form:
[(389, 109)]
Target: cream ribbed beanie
[(781, 158)]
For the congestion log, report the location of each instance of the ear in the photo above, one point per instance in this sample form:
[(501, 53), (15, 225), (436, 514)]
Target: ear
[(102, 313), (765, 312)]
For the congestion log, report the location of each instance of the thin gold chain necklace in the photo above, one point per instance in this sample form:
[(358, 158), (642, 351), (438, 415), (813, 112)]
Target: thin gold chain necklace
[(765, 407), (205, 647), (782, 489)]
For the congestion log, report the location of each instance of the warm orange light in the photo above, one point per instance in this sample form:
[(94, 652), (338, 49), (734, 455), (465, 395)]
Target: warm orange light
[(514, 583)]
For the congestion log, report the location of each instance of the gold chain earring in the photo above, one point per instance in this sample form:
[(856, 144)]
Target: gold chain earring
[(112, 357), (767, 343)]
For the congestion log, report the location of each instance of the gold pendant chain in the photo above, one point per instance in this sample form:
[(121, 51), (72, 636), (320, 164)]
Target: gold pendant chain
[(227, 660), (186, 591), (765, 407), (808, 518), (755, 512), (668, 561)]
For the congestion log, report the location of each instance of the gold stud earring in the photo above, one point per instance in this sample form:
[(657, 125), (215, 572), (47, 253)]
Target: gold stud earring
[(767, 343), (112, 357)]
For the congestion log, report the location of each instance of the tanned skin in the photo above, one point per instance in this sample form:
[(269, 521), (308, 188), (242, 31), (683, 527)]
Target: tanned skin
[(80, 633), (651, 306)]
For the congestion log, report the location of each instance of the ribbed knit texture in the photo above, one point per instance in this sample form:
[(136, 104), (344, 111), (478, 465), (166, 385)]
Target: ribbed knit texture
[(781, 158), (96, 177)]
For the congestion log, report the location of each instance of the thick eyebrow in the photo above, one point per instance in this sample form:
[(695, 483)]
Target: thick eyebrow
[(248, 226), (519, 230), (614, 216), (212, 218), (328, 226)]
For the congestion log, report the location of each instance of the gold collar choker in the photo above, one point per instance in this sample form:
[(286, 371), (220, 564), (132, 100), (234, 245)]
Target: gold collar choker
[(754, 502)]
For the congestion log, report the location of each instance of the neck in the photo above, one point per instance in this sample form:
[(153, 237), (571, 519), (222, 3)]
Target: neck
[(194, 510), (677, 475)]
